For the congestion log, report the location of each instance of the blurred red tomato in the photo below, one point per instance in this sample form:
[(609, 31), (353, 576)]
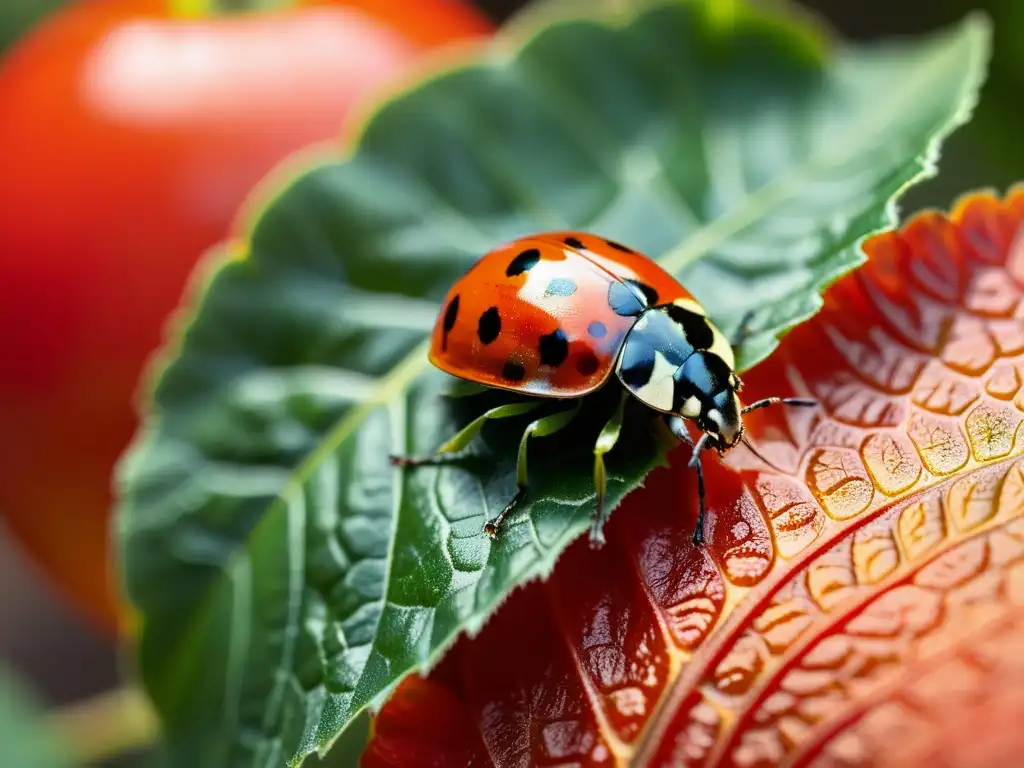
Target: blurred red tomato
[(128, 140)]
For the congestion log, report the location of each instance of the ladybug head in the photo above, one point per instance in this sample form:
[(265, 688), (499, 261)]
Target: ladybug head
[(721, 418), (706, 391)]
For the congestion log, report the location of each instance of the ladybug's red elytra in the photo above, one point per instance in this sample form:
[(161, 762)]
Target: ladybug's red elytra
[(552, 315)]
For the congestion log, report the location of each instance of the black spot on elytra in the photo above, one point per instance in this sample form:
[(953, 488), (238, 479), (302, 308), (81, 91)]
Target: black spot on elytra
[(587, 363), (513, 371), (597, 330), (650, 294), (561, 286), (624, 300), (524, 262), (573, 242), (620, 246), (450, 316), (553, 348), (695, 326), (489, 326)]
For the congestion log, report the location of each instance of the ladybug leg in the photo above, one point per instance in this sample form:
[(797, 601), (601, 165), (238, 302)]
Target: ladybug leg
[(605, 442), (768, 401), (548, 425), (465, 436), (677, 425)]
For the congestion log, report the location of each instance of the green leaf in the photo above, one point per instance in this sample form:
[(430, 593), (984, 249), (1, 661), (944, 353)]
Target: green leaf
[(347, 750), (287, 576), (26, 741)]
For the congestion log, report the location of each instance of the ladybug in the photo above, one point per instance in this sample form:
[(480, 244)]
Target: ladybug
[(554, 315)]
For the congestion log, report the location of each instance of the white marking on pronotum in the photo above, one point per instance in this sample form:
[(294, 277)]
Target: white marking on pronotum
[(659, 389), (691, 408), (720, 346), (691, 306)]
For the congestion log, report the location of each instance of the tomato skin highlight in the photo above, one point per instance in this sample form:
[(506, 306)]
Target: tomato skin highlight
[(128, 140)]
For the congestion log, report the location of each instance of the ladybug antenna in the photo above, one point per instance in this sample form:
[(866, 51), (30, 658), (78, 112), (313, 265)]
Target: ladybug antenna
[(753, 450)]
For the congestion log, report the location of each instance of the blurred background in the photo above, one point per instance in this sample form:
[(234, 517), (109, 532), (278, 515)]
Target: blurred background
[(55, 632)]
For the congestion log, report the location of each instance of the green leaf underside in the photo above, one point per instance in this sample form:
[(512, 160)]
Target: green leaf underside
[(287, 575), (26, 740)]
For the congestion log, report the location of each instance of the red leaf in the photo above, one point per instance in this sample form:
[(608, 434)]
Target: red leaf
[(425, 725), (862, 607)]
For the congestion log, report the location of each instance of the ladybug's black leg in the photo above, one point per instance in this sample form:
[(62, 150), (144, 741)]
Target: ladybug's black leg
[(465, 435), (677, 425), (605, 442), (698, 531), (768, 401), (542, 427)]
